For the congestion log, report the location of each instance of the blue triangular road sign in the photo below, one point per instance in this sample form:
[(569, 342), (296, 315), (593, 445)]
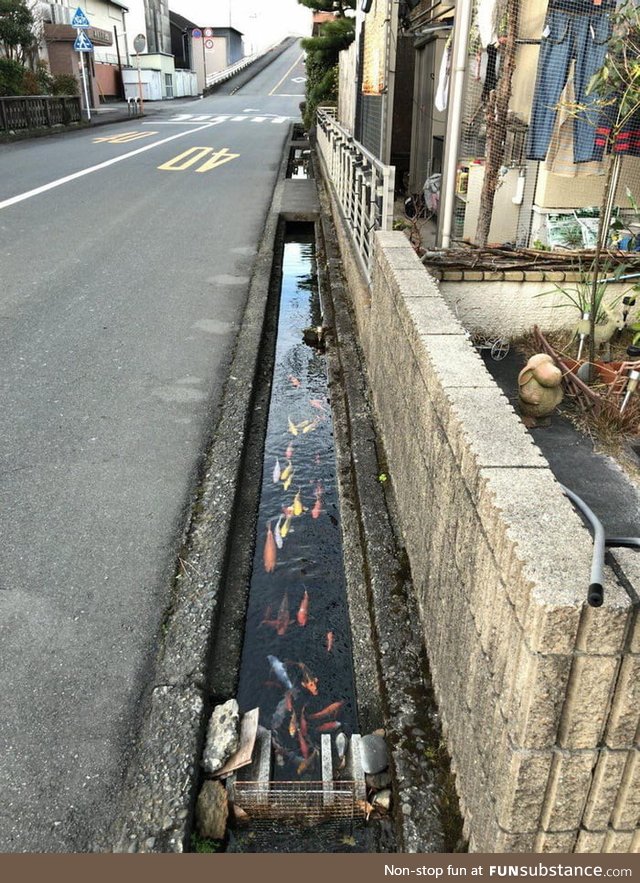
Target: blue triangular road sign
[(80, 20), (83, 43)]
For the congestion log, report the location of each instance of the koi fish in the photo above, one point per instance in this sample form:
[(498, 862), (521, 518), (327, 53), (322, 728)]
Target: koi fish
[(303, 424), (266, 619), (280, 671), (293, 724), (287, 484), (304, 729), (284, 530), (279, 714), (286, 472), (330, 711), (316, 403), (329, 727), (317, 459), (270, 553), (330, 639), (293, 429), (276, 472), (289, 452), (297, 506), (283, 621), (316, 512), (303, 611), (341, 750), (278, 534), (302, 742), (293, 381), (309, 682), (306, 762)]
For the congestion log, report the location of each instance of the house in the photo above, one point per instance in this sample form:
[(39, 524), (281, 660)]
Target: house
[(205, 50), (103, 66)]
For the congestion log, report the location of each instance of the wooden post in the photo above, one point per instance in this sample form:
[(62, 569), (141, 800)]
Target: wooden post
[(3, 115), (496, 115)]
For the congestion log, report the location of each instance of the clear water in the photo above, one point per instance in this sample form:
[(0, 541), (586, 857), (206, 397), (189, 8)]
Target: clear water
[(314, 650)]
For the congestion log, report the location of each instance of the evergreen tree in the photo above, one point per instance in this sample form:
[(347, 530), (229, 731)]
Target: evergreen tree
[(322, 54), (17, 35), (338, 7)]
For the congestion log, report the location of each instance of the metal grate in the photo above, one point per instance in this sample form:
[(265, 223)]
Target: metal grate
[(302, 803)]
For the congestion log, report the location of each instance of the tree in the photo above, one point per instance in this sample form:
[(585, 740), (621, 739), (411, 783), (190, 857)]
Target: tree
[(322, 54), (17, 36), (338, 7)]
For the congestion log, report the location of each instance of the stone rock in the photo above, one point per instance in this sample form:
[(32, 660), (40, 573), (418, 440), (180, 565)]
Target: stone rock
[(212, 811), (379, 781), (223, 736), (382, 800), (374, 755)]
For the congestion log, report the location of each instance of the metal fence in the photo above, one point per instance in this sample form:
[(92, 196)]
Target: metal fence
[(363, 185), (18, 113)]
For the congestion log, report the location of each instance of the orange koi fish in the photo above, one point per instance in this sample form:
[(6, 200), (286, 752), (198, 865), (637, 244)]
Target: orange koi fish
[(329, 727), (330, 639), (289, 452), (309, 682), (293, 429), (316, 403), (302, 742), (293, 724), (330, 711), (293, 381), (316, 512), (303, 611), (270, 553), (283, 621)]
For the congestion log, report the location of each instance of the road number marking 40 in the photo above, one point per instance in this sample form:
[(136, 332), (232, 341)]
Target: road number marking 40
[(213, 158)]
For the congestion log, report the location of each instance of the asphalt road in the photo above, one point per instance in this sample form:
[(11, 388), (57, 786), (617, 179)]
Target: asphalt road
[(125, 258)]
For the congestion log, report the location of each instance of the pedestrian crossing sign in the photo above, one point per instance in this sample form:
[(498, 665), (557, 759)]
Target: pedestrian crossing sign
[(83, 43), (80, 20)]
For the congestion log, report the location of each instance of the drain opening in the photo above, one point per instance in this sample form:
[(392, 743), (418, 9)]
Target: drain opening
[(299, 166)]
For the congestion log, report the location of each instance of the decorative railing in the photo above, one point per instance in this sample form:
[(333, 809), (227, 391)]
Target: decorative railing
[(363, 185), (20, 112), (228, 72)]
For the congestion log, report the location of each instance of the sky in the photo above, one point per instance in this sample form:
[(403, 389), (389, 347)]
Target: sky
[(262, 22)]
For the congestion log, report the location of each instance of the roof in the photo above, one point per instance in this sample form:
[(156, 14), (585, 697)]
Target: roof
[(119, 3)]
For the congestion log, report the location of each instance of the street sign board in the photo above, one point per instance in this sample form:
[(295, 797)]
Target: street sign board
[(197, 33), (83, 43), (139, 42), (80, 20), (208, 32)]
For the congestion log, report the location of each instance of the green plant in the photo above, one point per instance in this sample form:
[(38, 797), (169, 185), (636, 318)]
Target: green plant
[(579, 296), (64, 84), (203, 845), (17, 37), (11, 77)]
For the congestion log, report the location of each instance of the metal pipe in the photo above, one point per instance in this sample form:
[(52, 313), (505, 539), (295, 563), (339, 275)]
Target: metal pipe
[(459, 61), (595, 593)]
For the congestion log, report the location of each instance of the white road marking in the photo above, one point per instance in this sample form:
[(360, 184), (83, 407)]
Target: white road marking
[(296, 62), (103, 165)]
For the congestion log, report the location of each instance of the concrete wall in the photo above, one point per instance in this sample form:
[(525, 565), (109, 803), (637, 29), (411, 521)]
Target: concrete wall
[(347, 88), (538, 694)]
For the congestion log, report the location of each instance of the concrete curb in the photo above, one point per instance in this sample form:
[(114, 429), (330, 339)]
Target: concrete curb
[(160, 792), (412, 728)]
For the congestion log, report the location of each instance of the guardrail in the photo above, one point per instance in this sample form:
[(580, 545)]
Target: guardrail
[(228, 72), (363, 185), (20, 112)]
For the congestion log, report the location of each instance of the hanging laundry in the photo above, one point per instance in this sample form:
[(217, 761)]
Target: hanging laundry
[(442, 91), (575, 30), (489, 14)]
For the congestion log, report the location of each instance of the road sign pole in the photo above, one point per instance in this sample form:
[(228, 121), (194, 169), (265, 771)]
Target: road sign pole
[(84, 86), (141, 99)]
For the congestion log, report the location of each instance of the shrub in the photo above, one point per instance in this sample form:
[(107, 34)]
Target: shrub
[(11, 77), (64, 84)]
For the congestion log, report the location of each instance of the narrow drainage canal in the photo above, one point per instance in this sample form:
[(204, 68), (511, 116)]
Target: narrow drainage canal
[(297, 660)]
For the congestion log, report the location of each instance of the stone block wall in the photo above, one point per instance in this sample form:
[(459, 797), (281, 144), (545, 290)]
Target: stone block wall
[(538, 693)]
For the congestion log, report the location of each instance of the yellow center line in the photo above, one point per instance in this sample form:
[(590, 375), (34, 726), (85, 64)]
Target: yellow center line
[(297, 61)]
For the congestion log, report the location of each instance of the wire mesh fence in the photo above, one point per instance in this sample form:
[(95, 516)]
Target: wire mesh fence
[(300, 803)]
